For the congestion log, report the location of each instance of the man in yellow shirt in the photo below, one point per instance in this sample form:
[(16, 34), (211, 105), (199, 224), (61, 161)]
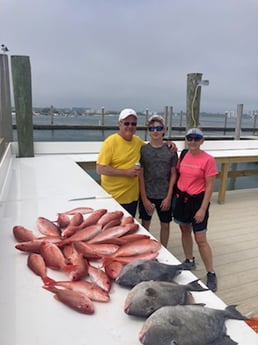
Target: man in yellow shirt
[(117, 160)]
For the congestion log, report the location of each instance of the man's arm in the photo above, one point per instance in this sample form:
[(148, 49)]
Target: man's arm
[(110, 171), (172, 146)]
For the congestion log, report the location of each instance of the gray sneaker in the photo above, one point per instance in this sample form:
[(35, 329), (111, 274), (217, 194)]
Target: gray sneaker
[(189, 264), (212, 281)]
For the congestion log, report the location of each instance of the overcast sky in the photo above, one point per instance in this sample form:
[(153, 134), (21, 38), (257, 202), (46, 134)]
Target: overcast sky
[(136, 53)]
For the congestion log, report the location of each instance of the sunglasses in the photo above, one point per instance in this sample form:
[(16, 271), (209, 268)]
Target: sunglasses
[(193, 138), (157, 128), (130, 123)]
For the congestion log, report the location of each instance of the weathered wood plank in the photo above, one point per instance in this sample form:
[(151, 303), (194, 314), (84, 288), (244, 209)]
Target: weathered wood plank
[(21, 74)]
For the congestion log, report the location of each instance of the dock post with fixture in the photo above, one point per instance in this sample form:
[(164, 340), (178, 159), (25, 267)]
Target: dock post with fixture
[(21, 74)]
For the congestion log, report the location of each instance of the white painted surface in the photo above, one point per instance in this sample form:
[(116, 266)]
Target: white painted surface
[(93, 147), (42, 186)]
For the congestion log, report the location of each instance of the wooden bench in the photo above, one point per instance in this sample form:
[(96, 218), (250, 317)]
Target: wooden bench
[(225, 172)]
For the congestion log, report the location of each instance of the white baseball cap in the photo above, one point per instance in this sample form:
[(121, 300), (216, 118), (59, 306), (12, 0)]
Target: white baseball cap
[(156, 118), (196, 132), (127, 112)]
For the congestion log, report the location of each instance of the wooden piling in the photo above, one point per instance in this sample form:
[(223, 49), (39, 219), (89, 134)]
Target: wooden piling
[(193, 96), (169, 125), (51, 113), (146, 120), (239, 121), (102, 116), (166, 115), (21, 75), (181, 118), (225, 122), (6, 131), (255, 120)]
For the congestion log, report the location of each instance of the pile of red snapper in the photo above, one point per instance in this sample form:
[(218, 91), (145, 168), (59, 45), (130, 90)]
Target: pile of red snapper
[(74, 243)]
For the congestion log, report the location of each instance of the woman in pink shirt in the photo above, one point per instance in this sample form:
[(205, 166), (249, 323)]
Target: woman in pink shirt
[(197, 174)]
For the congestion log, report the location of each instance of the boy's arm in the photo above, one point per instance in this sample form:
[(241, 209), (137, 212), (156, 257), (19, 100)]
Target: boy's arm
[(142, 185), (172, 181)]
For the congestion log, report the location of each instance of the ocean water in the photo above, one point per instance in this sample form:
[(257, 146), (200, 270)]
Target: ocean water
[(206, 120)]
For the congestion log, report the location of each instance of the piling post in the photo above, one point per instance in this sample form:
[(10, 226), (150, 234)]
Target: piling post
[(238, 121), (102, 115), (225, 121), (193, 96), (21, 76), (51, 113), (181, 118), (146, 120), (170, 112), (6, 131), (237, 137), (166, 115), (255, 120), (146, 115)]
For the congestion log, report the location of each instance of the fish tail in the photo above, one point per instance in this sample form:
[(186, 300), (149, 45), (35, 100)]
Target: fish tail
[(227, 340), (47, 281), (184, 267), (195, 286), (50, 287), (233, 313)]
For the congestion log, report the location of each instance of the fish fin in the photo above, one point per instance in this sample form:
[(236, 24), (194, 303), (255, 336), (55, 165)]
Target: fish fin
[(107, 260), (225, 340), (113, 269), (233, 313), (50, 287), (184, 267), (47, 281), (69, 268), (195, 286), (200, 304)]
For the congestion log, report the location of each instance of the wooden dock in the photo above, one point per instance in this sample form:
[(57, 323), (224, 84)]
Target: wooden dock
[(233, 236)]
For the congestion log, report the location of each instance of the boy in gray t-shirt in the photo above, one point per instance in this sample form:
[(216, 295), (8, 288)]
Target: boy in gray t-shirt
[(157, 178)]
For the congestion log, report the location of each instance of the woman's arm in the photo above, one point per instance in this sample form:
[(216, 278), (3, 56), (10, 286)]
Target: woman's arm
[(210, 181), (199, 215)]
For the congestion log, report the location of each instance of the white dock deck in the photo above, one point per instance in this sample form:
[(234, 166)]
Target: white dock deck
[(42, 186)]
